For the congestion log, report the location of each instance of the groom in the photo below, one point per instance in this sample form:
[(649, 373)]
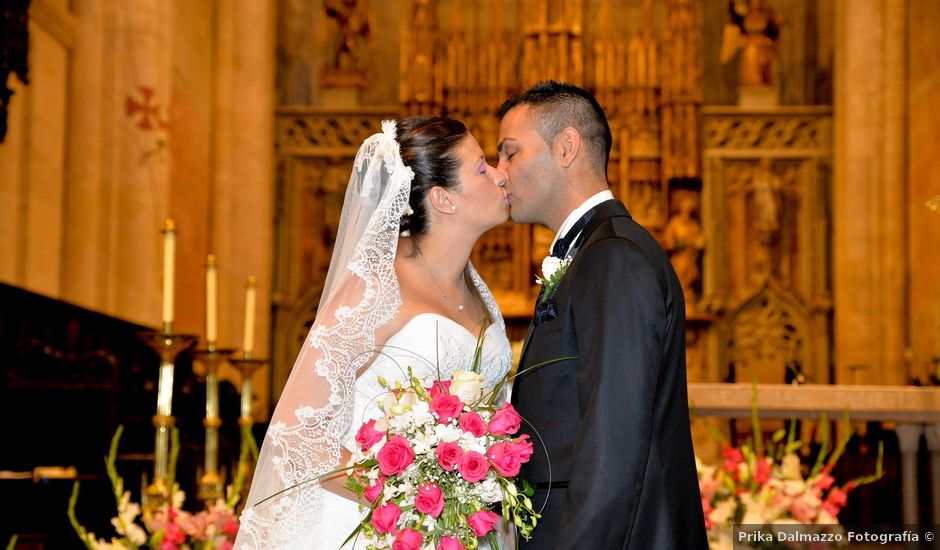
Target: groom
[(620, 472)]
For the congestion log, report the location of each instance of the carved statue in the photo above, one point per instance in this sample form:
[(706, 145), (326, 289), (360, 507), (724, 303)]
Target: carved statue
[(753, 29), (353, 29), (14, 44), (684, 240), (765, 192)]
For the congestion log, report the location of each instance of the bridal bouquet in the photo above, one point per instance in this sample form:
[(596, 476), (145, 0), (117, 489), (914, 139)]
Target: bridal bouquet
[(438, 466), (766, 483)]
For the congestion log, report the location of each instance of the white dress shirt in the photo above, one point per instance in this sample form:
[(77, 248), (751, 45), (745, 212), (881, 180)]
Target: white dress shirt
[(576, 214)]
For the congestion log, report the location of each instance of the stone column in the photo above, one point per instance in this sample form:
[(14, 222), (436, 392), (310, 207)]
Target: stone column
[(869, 210), (86, 210), (933, 444), (242, 194), (909, 439)]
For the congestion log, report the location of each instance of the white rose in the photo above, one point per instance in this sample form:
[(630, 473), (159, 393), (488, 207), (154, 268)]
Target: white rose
[(549, 266), (466, 385)]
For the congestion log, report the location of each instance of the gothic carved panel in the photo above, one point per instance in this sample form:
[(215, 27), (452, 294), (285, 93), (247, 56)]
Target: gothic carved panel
[(793, 132), (765, 270)]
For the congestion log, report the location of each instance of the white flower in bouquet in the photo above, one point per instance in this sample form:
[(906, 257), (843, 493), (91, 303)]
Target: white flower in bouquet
[(467, 385)]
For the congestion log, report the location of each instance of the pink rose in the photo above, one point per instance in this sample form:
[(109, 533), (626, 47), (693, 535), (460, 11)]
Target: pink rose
[(375, 489), (446, 407), (385, 518), (473, 466), (506, 421), (503, 459), (450, 543), (368, 436), (482, 522), (447, 455), (225, 545), (438, 388), (430, 500), (522, 447), (395, 456), (407, 539), (473, 423)]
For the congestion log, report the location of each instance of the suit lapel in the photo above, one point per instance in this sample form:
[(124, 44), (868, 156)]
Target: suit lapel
[(605, 211)]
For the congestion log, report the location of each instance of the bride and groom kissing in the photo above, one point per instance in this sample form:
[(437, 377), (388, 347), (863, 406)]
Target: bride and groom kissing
[(612, 465)]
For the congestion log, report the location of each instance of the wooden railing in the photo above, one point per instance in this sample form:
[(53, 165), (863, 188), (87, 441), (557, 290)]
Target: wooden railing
[(915, 410)]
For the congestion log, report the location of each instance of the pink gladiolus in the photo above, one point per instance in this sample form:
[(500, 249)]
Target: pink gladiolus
[(505, 421), (482, 522), (762, 475)]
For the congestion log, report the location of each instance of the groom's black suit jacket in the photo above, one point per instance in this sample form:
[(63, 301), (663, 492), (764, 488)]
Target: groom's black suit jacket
[(615, 421)]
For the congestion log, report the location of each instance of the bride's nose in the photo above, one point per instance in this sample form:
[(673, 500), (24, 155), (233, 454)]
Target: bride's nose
[(499, 176)]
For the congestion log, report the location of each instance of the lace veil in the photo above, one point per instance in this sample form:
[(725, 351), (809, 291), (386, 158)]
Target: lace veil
[(315, 410)]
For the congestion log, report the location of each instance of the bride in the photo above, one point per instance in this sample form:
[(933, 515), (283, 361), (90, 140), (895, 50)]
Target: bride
[(400, 293)]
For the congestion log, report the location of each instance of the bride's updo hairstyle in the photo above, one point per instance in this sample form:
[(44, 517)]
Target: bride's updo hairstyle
[(428, 146)]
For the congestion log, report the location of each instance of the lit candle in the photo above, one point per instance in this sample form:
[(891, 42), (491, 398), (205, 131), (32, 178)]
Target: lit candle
[(169, 253), (250, 291), (212, 292)]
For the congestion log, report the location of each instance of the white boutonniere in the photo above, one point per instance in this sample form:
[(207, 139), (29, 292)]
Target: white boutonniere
[(553, 269)]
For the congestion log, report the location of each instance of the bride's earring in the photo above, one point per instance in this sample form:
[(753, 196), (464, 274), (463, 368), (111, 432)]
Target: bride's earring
[(453, 208)]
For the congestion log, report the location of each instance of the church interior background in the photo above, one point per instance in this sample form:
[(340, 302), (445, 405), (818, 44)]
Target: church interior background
[(783, 152)]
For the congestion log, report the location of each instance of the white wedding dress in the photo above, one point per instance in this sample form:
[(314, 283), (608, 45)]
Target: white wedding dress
[(324, 403), (413, 346)]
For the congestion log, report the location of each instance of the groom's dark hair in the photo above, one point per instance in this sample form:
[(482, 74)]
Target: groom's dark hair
[(559, 105)]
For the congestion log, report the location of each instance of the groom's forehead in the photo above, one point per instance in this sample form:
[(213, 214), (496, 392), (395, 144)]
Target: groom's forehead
[(516, 125)]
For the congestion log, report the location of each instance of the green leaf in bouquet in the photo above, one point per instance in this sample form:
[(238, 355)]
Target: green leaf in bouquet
[(354, 486)]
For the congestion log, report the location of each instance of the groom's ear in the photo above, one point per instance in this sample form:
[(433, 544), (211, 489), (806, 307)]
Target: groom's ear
[(568, 145)]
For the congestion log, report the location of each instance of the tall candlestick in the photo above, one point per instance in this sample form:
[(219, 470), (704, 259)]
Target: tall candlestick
[(168, 347), (250, 293), (212, 295), (169, 254), (211, 483)]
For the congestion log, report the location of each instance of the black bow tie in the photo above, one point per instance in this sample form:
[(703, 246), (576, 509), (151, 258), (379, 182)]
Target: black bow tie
[(563, 244)]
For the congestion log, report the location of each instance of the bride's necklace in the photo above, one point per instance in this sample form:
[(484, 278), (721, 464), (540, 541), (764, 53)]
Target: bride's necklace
[(439, 287)]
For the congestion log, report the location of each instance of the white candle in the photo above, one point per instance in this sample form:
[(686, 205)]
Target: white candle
[(212, 292), (250, 291), (169, 253)]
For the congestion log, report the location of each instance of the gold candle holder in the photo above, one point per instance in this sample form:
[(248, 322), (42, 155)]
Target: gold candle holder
[(168, 346), (211, 486), (247, 365)]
